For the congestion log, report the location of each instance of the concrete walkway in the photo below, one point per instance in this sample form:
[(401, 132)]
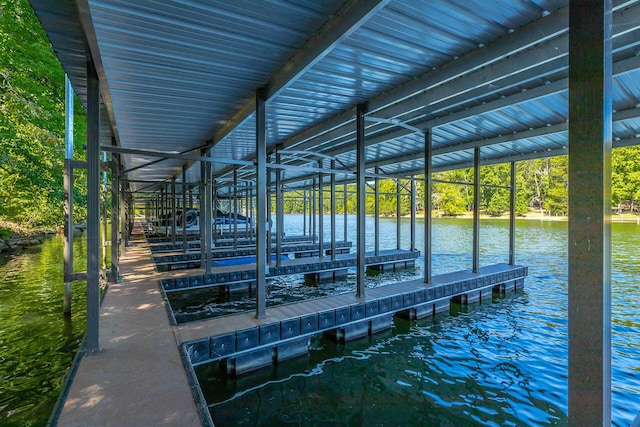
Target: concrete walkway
[(138, 378)]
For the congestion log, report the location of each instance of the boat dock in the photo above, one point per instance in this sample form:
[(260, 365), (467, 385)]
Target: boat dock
[(140, 345), (247, 343), (314, 268), (193, 259), (332, 108), (138, 377)]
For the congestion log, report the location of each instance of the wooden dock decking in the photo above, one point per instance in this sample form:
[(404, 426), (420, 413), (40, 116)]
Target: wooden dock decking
[(138, 378)]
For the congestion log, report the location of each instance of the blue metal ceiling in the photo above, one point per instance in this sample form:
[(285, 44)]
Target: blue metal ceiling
[(489, 73)]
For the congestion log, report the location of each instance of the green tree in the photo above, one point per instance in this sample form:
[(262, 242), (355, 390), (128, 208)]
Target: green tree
[(31, 120)]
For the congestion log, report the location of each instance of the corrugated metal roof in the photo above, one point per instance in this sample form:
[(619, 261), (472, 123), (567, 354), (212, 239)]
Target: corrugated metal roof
[(488, 73)]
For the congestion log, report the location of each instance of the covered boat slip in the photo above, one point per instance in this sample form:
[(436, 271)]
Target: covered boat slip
[(235, 104), (238, 274), (348, 317)]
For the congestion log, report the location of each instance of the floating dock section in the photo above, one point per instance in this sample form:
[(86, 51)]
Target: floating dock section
[(242, 276), (243, 343)]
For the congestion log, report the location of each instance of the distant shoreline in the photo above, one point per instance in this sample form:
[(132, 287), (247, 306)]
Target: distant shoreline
[(533, 216)]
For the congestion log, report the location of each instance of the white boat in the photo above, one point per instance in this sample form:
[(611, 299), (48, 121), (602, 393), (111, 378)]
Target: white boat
[(224, 223)]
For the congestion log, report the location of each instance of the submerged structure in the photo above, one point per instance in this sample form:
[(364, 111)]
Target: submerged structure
[(229, 105)]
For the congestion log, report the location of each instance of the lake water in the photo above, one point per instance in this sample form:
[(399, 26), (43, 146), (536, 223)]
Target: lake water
[(502, 363)]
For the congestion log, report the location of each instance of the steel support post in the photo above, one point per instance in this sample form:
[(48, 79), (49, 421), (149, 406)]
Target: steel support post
[(184, 209), (333, 212), (320, 212), (346, 217), (590, 138), (161, 205), (68, 197), (235, 208), (304, 212), (398, 215), (103, 197), (476, 210), (115, 221), (92, 342), (68, 235), (207, 223), (269, 220), (413, 213), (512, 216), (214, 209), (428, 188), (376, 214), (361, 183), (174, 213), (201, 213), (312, 213), (279, 212), (262, 267), (123, 218)]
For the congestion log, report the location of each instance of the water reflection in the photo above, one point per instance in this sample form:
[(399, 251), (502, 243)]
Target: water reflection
[(37, 342), (499, 364)]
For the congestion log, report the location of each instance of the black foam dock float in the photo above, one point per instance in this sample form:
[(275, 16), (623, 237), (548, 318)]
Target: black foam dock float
[(309, 266), (194, 243), (189, 259), (281, 337)]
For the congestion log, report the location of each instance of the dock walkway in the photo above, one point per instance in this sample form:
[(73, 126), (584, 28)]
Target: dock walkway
[(138, 378)]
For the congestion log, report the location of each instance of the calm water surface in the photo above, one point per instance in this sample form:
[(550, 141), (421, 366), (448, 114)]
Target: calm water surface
[(503, 363), (37, 342)]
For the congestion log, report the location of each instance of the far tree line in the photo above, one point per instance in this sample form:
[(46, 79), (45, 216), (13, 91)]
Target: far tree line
[(542, 185)]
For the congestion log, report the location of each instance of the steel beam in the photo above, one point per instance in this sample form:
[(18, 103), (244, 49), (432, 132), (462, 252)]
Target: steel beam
[(343, 23), (476, 211), (333, 213), (413, 214), (590, 141), (428, 189), (92, 343), (398, 215), (208, 217), (115, 220), (201, 203), (174, 222), (279, 212), (376, 187), (304, 213), (184, 208), (262, 267), (68, 198), (361, 110), (346, 217), (320, 212), (512, 215)]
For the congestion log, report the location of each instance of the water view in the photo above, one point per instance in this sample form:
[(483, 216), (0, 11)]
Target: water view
[(37, 342), (503, 363)]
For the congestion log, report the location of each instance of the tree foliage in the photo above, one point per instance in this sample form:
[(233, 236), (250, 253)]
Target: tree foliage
[(32, 150), (31, 120)]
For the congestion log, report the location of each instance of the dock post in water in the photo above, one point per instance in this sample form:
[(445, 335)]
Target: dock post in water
[(589, 242), (428, 189), (92, 344), (512, 216), (68, 197), (261, 207), (361, 109), (115, 185), (476, 210)]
